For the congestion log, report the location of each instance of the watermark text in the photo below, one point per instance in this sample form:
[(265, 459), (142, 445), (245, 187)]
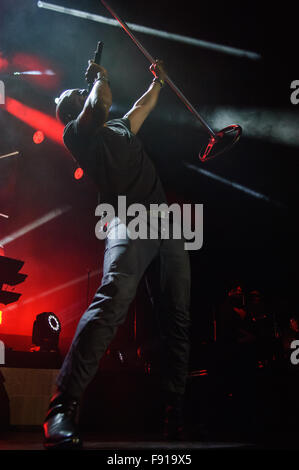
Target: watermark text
[(295, 94), (158, 221), (294, 358), (2, 353), (2, 92)]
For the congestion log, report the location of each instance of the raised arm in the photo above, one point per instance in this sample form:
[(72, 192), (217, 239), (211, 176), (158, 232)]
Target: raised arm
[(96, 108), (148, 101)]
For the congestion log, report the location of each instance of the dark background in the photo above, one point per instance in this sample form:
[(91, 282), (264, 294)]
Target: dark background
[(245, 238)]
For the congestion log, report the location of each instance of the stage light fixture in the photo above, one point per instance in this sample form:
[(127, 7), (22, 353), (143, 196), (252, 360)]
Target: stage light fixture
[(49, 125), (46, 331), (38, 137), (78, 173)]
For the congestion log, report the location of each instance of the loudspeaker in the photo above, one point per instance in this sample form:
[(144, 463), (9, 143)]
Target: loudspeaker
[(27, 393)]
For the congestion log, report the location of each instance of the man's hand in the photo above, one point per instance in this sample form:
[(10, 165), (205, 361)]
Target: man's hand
[(93, 70), (157, 69), (96, 108)]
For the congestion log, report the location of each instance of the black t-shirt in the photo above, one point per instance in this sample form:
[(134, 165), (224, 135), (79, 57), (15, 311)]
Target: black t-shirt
[(114, 158)]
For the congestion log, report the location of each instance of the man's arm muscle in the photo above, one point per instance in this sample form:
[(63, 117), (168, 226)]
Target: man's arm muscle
[(148, 101), (143, 107)]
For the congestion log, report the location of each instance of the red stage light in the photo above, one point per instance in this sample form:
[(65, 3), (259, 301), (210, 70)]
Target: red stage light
[(24, 62), (78, 174), (3, 62), (38, 137), (36, 119)]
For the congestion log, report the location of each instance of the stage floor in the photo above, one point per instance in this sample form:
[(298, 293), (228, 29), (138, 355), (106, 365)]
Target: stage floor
[(31, 440)]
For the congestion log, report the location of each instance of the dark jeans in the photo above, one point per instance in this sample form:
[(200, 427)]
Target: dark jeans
[(125, 261)]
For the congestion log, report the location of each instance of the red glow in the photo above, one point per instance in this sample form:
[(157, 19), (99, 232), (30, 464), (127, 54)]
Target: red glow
[(36, 119), (24, 62), (3, 62), (38, 137), (78, 174)]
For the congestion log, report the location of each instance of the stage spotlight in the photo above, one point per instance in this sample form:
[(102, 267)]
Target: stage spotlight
[(49, 125), (78, 174), (38, 137), (46, 330)]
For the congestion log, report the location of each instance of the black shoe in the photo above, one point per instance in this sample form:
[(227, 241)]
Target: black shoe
[(60, 429)]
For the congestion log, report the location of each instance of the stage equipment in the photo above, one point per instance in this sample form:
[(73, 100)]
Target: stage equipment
[(219, 141), (78, 173), (38, 137), (97, 60), (9, 275), (9, 155), (46, 331)]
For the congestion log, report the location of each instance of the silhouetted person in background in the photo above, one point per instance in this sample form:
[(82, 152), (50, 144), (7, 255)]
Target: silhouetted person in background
[(237, 336)]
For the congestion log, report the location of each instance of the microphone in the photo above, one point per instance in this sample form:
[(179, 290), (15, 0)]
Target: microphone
[(97, 60)]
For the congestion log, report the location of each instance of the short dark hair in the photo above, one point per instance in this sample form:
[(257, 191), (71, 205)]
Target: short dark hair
[(66, 110)]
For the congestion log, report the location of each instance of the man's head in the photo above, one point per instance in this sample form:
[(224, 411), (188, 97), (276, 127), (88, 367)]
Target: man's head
[(70, 104)]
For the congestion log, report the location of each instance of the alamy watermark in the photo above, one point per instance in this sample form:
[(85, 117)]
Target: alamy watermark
[(294, 358), (158, 221), (2, 353), (2, 92), (294, 97)]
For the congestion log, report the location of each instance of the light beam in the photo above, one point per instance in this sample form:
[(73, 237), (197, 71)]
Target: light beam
[(36, 119), (154, 32), (233, 184), (35, 224), (9, 155)]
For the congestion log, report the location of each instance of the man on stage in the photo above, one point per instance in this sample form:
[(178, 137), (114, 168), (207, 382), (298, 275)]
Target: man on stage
[(112, 155)]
